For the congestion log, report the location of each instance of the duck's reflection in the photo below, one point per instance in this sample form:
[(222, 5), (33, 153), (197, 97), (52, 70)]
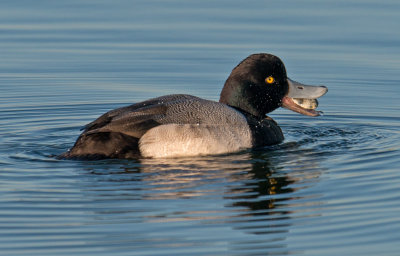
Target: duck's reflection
[(185, 178), (248, 180), (251, 193), (261, 181)]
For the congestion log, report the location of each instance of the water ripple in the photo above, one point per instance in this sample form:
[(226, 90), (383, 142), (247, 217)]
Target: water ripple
[(331, 188), (276, 194)]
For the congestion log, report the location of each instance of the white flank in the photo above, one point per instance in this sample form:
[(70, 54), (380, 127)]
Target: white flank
[(178, 140)]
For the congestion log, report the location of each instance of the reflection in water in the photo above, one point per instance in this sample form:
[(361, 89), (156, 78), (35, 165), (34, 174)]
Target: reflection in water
[(259, 183), (257, 189), (185, 178)]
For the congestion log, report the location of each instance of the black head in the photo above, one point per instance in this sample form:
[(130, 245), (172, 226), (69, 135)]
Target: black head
[(257, 85)]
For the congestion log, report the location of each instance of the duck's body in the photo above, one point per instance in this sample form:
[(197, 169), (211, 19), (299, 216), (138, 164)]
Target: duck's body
[(173, 126), (185, 125)]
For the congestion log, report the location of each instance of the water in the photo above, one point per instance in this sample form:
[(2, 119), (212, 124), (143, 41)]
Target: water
[(331, 188)]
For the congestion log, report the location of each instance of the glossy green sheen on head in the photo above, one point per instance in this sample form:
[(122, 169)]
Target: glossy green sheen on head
[(247, 89)]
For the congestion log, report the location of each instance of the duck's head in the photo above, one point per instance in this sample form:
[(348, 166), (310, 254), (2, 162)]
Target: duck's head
[(259, 85)]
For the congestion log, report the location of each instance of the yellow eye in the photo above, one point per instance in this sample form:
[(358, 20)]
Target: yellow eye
[(270, 80)]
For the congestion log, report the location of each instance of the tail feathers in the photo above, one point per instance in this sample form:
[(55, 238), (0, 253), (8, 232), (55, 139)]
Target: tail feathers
[(103, 145)]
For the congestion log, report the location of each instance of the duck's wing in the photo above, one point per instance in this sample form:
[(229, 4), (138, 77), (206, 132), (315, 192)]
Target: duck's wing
[(116, 133), (150, 107), (137, 119)]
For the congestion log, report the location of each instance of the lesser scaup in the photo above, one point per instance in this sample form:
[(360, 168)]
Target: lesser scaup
[(184, 125)]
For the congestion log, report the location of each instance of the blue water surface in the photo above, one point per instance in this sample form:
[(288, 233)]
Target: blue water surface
[(331, 188)]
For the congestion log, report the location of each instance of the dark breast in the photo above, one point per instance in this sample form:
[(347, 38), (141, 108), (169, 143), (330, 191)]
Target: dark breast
[(265, 131)]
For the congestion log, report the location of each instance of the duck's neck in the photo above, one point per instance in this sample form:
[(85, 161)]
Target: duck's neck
[(237, 98)]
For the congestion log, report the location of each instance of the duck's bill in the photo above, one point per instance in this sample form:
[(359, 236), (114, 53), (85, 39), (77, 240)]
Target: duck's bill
[(302, 98)]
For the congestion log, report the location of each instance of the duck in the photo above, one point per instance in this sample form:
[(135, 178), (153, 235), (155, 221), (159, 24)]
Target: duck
[(182, 125)]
